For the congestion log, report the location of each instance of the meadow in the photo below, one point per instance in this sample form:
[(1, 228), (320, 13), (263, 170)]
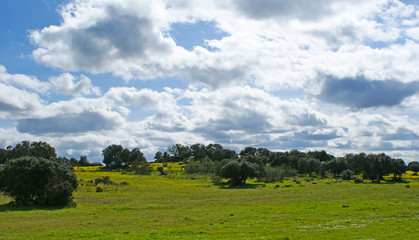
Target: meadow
[(179, 206)]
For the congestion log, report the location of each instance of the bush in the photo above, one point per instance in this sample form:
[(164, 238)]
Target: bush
[(358, 180), (144, 169), (205, 166), (239, 171), (192, 168), (274, 175), (347, 174), (160, 169), (104, 180), (31, 180)]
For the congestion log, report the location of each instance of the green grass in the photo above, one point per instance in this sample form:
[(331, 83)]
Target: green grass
[(174, 207)]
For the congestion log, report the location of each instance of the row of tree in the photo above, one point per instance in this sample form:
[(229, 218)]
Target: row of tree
[(195, 152), (372, 166)]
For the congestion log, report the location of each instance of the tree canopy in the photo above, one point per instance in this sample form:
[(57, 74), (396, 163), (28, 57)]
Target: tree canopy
[(33, 180), (116, 156)]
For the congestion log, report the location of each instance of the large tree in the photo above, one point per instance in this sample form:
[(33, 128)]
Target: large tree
[(308, 166), (3, 156), (398, 168), (376, 167), (238, 170), (198, 151), (30, 180), (337, 166), (180, 152), (112, 156), (413, 166), (136, 157)]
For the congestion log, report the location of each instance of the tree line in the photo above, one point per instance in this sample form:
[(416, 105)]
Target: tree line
[(263, 163)]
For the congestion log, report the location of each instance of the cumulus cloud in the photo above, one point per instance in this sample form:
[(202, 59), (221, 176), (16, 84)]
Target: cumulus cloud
[(22, 81), (69, 123), (359, 54), (283, 9), (132, 40), (362, 93), (65, 83), (100, 36), (145, 99), (16, 103), (245, 114)]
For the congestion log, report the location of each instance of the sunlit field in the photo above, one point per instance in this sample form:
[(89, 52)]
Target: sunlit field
[(180, 206)]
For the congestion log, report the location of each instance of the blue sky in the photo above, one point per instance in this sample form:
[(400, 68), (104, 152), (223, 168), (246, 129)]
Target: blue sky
[(336, 75)]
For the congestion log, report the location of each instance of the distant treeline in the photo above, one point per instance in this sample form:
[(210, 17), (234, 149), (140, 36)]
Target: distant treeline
[(206, 158)]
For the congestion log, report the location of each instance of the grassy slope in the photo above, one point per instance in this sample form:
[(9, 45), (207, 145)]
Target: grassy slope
[(157, 207)]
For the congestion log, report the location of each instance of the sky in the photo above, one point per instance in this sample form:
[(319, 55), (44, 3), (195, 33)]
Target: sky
[(334, 75)]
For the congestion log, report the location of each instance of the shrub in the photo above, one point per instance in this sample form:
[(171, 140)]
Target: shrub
[(358, 180), (161, 170), (239, 171), (192, 167), (347, 174), (144, 169), (31, 180), (216, 179), (104, 180), (205, 166), (274, 174)]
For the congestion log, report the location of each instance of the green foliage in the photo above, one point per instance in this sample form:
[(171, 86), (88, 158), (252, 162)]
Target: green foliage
[(274, 174), (158, 156), (112, 156), (376, 166), (180, 152), (31, 180), (413, 166), (144, 169), (207, 166), (278, 174), (103, 180), (160, 169), (115, 156), (217, 153), (397, 168), (34, 149), (347, 174), (198, 151), (308, 165), (337, 166), (240, 170), (3, 156)]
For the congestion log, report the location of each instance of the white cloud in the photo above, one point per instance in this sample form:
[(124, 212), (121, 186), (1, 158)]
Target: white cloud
[(22, 81), (65, 83), (16, 103), (145, 99), (238, 85), (107, 36)]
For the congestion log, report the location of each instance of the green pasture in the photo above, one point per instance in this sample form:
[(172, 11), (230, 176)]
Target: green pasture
[(179, 206)]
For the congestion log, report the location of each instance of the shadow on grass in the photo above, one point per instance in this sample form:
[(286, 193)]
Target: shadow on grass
[(10, 207), (245, 186)]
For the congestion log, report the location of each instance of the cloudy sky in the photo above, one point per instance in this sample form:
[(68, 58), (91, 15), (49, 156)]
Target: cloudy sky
[(339, 75)]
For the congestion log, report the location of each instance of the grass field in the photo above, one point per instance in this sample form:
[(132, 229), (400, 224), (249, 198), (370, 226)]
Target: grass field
[(178, 207)]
